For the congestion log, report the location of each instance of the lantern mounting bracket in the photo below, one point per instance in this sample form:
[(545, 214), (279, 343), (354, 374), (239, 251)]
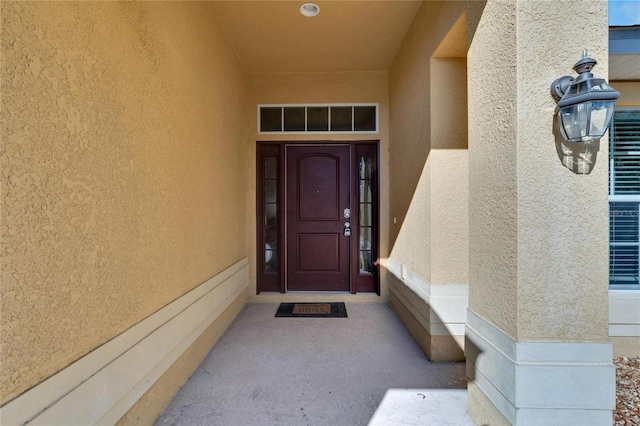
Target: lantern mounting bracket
[(560, 86)]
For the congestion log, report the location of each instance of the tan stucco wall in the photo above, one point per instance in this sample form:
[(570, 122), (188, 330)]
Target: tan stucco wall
[(317, 88), (427, 92), (492, 199), (538, 249), (629, 93), (123, 168), (626, 346)]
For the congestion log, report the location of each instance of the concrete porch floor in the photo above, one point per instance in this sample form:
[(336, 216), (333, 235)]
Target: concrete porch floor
[(319, 371)]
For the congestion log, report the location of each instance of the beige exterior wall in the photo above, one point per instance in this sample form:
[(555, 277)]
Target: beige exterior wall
[(526, 228), (310, 88), (538, 225), (629, 93), (492, 166), (427, 91), (429, 177), (566, 299), (123, 167)]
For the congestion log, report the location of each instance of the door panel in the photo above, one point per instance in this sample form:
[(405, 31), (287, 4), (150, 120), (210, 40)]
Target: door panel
[(318, 252), (317, 191), (318, 188)]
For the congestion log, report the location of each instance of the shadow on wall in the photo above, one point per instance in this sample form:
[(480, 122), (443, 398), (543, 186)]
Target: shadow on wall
[(431, 332), (579, 157)]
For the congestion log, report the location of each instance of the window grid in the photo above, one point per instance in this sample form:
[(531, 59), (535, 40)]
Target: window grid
[(374, 129)]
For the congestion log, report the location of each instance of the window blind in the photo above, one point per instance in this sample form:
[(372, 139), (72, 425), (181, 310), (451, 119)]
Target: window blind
[(625, 153), (624, 247), (624, 205)]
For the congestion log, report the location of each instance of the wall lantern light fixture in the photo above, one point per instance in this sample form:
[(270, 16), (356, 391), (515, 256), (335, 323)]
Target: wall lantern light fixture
[(585, 103)]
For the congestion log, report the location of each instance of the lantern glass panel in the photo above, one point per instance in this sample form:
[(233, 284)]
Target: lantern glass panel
[(573, 122), (601, 112)]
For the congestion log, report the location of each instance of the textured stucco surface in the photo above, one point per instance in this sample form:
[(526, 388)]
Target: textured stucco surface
[(562, 216), (492, 165), (413, 246), (317, 88), (428, 141), (538, 246), (123, 171), (538, 231), (449, 216)]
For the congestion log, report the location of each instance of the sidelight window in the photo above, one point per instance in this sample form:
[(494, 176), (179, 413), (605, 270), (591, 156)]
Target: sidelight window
[(366, 214)]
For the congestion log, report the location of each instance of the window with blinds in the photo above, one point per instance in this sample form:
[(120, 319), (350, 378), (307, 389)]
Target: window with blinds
[(624, 200)]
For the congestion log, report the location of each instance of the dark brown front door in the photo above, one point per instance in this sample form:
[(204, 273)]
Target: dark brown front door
[(317, 194)]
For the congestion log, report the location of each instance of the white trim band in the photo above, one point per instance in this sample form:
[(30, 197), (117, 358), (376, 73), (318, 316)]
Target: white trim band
[(534, 383), (103, 385), (447, 302), (624, 313)]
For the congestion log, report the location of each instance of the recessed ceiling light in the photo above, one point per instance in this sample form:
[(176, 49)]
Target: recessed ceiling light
[(309, 9)]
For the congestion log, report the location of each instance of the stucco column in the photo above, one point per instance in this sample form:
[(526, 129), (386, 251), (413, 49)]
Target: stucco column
[(537, 328)]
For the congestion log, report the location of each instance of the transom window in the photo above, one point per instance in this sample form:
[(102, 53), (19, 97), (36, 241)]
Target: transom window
[(325, 118), (624, 200)]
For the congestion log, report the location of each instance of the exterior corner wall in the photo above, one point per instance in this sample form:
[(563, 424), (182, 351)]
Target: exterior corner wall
[(123, 176), (533, 383), (410, 98), (562, 276), (310, 88), (492, 167), (538, 286), (429, 180)]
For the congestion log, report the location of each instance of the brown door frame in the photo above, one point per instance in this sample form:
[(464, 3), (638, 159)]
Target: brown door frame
[(273, 279)]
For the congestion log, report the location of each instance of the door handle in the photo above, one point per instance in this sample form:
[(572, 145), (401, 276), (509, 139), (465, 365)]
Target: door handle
[(347, 229)]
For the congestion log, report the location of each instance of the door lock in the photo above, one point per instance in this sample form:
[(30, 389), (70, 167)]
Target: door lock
[(347, 229)]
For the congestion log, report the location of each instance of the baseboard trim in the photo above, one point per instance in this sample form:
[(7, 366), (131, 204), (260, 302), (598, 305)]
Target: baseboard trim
[(103, 385), (533, 383), (624, 313), (447, 302)]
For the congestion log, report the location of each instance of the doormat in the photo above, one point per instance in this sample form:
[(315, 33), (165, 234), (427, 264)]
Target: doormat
[(312, 310)]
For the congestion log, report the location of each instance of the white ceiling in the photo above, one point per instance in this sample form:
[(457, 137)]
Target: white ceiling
[(273, 37)]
